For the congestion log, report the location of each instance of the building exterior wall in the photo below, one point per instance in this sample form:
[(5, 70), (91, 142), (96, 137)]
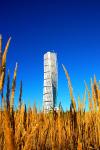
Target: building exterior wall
[(50, 81)]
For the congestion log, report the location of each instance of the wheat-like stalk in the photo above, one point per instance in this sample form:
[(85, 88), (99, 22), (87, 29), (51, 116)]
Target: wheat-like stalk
[(13, 87), (3, 61), (70, 88)]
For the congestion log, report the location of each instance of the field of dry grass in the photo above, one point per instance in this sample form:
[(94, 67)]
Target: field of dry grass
[(27, 129)]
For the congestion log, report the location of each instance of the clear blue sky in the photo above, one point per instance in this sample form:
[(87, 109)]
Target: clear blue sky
[(70, 27)]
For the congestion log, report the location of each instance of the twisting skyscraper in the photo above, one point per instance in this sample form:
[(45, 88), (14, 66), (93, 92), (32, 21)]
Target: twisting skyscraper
[(50, 81)]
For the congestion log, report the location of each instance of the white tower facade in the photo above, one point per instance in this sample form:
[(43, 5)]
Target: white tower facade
[(50, 81)]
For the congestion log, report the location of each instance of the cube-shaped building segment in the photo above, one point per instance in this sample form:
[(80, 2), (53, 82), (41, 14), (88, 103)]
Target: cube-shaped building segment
[(50, 81)]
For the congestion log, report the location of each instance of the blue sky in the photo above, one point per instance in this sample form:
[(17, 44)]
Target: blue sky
[(69, 27)]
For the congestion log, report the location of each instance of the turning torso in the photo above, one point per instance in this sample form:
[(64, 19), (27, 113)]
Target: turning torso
[(50, 81)]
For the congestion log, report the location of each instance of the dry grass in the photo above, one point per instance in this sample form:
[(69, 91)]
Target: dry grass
[(25, 129)]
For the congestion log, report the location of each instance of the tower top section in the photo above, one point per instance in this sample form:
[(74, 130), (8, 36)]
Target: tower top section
[(49, 55)]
